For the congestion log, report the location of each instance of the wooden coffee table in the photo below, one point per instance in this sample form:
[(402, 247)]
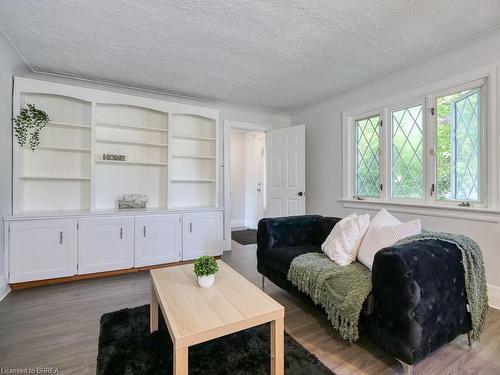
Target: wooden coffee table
[(194, 315)]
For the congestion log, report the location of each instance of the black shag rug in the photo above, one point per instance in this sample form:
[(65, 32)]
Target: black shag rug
[(127, 348), (244, 237)]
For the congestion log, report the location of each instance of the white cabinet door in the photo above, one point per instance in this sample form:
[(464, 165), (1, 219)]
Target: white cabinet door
[(42, 249), (158, 239), (202, 234), (105, 244)]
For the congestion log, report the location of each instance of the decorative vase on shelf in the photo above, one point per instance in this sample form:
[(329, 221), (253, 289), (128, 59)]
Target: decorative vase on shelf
[(206, 281), (205, 268)]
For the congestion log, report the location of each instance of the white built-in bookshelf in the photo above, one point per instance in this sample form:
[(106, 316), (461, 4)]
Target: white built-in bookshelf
[(141, 135), (57, 174), (170, 151), (193, 160)]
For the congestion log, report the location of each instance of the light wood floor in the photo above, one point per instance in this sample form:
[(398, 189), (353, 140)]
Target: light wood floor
[(58, 326)]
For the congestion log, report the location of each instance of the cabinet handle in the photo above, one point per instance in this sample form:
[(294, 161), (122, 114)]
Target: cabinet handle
[(190, 227), (121, 233), (61, 237), (144, 230)]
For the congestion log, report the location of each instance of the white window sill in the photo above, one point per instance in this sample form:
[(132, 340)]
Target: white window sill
[(462, 213)]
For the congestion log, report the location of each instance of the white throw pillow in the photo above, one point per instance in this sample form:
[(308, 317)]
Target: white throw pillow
[(342, 244), (385, 230)]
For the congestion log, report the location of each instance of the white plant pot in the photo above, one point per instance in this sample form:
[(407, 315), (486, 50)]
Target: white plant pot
[(206, 281)]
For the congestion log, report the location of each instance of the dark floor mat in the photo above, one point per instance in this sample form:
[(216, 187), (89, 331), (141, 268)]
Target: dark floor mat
[(244, 237), (127, 348)]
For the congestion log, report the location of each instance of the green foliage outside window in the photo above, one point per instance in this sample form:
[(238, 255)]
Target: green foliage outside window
[(407, 165), (367, 157), (444, 146), (458, 170)]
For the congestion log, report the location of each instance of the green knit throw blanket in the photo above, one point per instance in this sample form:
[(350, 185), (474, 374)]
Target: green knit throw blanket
[(340, 290), (475, 277)]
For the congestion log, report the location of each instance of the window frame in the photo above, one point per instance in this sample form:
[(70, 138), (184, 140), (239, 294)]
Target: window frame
[(482, 84), (361, 117), (485, 78), (394, 108)]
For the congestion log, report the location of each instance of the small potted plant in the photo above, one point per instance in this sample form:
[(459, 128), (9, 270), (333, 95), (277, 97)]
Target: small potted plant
[(205, 268)]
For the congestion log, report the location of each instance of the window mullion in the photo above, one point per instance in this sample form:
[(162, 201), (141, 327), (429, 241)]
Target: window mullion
[(430, 149), (385, 162)]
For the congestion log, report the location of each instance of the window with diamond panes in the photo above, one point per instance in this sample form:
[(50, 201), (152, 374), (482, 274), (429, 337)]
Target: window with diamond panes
[(368, 157), (407, 165), (458, 146)]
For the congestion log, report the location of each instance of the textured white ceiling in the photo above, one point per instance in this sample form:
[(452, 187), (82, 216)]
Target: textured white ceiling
[(273, 54)]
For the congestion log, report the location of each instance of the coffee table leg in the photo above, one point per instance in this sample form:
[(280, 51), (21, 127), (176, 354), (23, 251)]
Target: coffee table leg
[(277, 347), (181, 361), (153, 311)]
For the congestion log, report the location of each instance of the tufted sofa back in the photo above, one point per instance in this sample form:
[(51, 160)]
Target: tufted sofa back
[(294, 231)]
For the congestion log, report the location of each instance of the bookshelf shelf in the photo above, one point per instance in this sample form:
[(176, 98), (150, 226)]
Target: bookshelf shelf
[(193, 156), (125, 163), (191, 180), (62, 178), (69, 125), (131, 127), (132, 143), (63, 149), (208, 139)]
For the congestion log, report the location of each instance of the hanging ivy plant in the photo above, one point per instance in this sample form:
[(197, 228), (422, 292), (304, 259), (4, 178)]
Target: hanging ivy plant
[(28, 124)]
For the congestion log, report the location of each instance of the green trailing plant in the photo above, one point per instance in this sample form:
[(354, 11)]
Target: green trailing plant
[(28, 124), (205, 265)]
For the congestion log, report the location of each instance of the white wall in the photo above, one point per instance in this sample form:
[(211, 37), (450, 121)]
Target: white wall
[(238, 187), (324, 140), (10, 65)]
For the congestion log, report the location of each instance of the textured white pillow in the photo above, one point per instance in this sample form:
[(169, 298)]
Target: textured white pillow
[(385, 230), (342, 244)]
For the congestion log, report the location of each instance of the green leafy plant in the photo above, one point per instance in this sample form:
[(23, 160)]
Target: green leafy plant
[(28, 124), (205, 265)]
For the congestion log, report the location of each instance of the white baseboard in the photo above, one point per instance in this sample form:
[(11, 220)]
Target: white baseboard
[(494, 296), (4, 287)]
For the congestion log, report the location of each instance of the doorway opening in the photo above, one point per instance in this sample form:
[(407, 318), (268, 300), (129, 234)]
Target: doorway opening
[(248, 183)]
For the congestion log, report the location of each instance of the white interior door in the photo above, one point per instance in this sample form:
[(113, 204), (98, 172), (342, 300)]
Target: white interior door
[(286, 171), (260, 177)]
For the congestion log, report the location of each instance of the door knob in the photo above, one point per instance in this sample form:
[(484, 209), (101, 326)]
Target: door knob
[(301, 193)]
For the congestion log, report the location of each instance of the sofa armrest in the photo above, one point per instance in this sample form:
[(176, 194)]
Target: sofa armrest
[(420, 301)]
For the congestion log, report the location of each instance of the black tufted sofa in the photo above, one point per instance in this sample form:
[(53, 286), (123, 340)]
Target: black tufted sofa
[(418, 289)]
